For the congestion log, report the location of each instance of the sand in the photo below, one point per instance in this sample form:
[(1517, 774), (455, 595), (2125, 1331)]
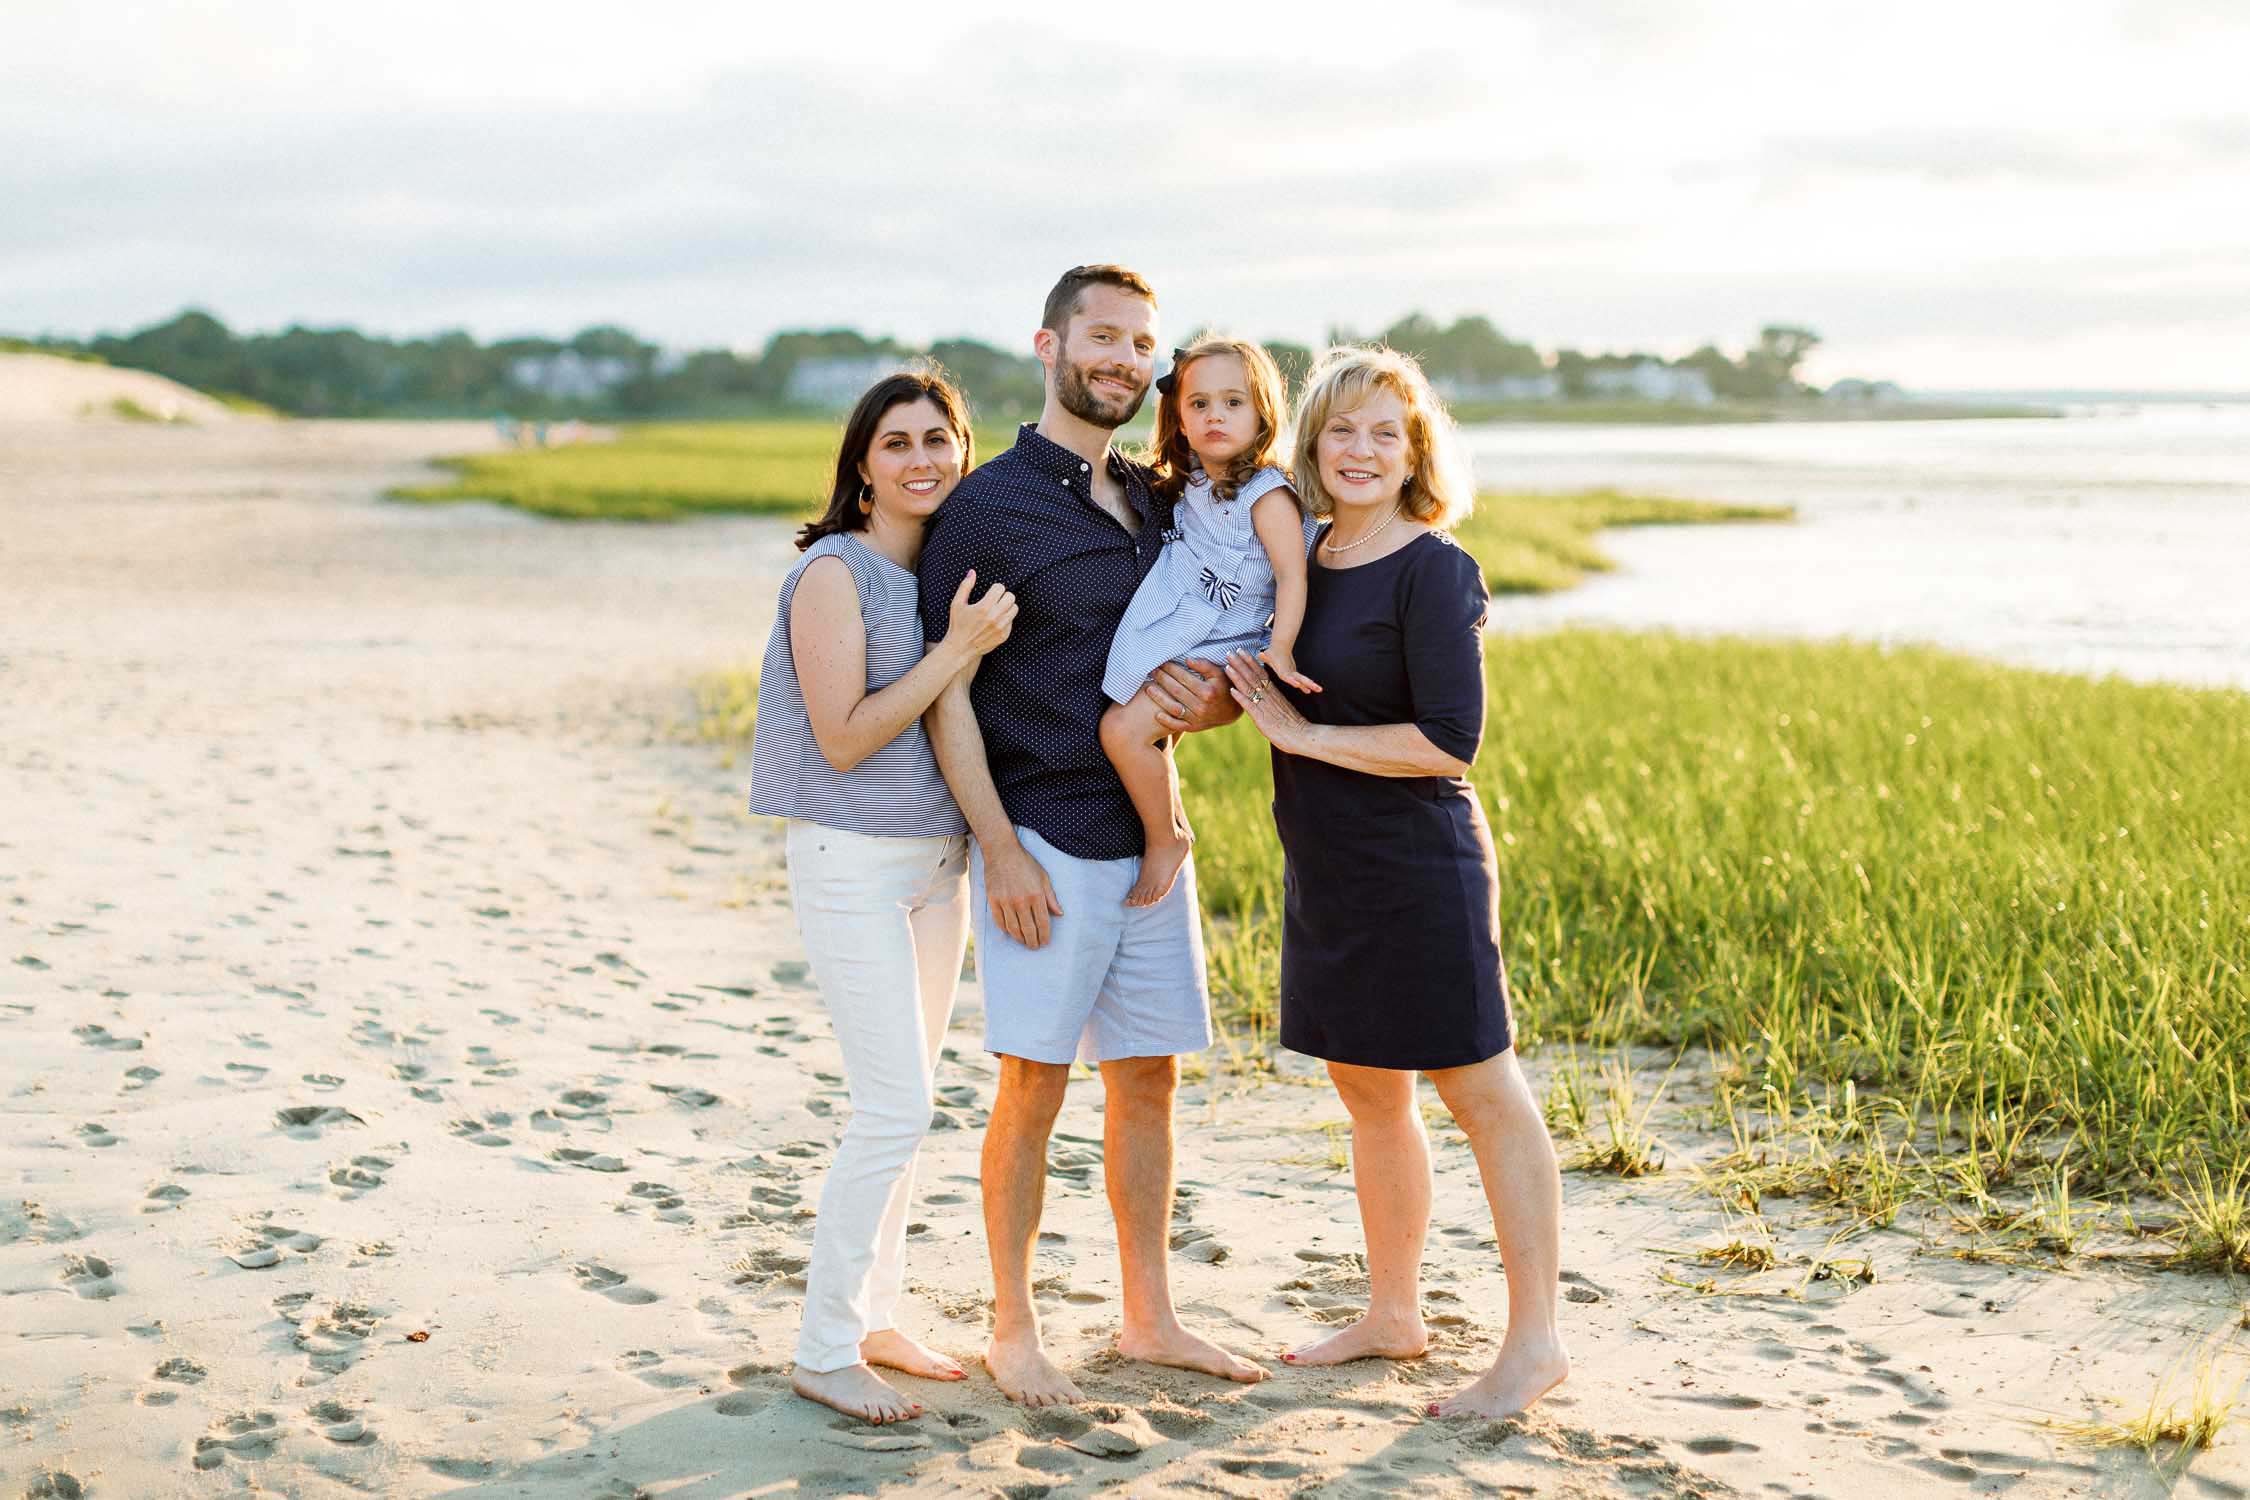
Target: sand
[(414, 1088), (49, 388)]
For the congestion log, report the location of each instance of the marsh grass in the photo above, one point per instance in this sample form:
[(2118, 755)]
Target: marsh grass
[(1626, 1146), (1945, 915), (2185, 1425), (654, 473), (2214, 1232), (1540, 544)]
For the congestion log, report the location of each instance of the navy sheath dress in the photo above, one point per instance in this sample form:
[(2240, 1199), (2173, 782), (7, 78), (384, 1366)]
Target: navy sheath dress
[(1390, 950)]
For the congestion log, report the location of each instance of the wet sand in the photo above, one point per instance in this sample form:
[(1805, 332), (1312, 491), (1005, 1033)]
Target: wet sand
[(378, 958)]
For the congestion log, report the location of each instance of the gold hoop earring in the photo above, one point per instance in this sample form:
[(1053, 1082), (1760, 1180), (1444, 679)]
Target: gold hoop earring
[(867, 499)]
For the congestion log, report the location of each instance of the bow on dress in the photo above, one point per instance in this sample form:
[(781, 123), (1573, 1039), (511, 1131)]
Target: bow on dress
[(1220, 591)]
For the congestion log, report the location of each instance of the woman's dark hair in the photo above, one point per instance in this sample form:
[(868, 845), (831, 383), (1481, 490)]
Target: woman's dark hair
[(927, 383)]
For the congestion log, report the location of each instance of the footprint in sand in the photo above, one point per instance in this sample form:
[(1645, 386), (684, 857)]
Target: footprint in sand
[(163, 1198), (362, 1174), (1193, 1242), (490, 1063), (642, 1365), (762, 1266), (339, 1423), (592, 1161), (55, 1484), (755, 1385), (100, 1036), (668, 1205), (615, 1285), (481, 1132), (98, 1136), (173, 1372), (693, 1098), (141, 1077), (580, 1104), (334, 1341), (307, 1121), (243, 1435), (90, 1277), (277, 1239)]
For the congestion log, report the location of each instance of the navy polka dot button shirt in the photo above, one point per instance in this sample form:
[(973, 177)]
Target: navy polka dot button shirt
[(1027, 519)]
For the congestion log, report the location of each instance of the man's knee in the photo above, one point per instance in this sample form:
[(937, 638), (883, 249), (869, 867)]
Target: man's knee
[(1031, 1092), (1141, 1083)]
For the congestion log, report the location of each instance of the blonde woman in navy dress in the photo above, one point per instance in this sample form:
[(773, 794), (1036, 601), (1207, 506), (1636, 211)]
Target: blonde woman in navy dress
[(1390, 956), (878, 855)]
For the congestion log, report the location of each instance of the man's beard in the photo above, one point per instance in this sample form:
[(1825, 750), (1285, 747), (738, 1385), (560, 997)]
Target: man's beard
[(1074, 387)]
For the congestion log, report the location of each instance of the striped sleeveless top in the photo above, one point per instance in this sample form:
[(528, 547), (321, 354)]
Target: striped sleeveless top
[(897, 791)]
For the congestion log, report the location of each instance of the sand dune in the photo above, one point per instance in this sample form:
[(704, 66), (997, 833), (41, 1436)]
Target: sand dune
[(414, 1088), (49, 388)]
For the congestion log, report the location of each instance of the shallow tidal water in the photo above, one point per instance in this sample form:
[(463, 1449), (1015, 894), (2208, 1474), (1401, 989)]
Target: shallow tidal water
[(2112, 540)]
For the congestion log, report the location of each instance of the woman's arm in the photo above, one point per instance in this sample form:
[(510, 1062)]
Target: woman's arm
[(1377, 749), (828, 643)]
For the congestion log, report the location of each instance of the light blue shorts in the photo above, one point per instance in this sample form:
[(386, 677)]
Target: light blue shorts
[(1113, 981)]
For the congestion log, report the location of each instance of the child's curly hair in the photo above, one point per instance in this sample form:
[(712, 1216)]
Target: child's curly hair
[(1175, 461)]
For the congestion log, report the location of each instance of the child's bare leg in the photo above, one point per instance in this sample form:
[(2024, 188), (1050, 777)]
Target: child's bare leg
[(1140, 748)]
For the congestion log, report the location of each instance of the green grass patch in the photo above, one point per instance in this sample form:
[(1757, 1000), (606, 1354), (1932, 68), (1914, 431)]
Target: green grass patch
[(126, 409), (1538, 544), (2018, 900), (663, 472)]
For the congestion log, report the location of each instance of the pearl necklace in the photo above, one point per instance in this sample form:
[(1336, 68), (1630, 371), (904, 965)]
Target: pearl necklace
[(1363, 541)]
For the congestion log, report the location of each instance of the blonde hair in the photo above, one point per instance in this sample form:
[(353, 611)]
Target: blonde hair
[(1175, 460), (1439, 490)]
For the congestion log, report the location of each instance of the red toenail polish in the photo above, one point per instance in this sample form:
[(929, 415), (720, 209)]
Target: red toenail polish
[(1433, 1408)]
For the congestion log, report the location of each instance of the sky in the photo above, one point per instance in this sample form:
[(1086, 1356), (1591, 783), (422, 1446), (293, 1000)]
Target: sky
[(1970, 194)]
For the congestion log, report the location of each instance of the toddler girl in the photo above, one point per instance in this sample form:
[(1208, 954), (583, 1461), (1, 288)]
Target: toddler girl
[(1234, 558)]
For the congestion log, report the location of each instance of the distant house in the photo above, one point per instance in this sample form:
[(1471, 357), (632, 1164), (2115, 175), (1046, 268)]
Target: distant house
[(1545, 386), (569, 375), (1651, 380), (833, 382), (1875, 392)]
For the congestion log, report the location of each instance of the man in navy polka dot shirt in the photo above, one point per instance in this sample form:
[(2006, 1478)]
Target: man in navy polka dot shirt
[(1069, 971)]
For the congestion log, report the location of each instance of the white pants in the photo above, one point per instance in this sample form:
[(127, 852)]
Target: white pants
[(885, 921)]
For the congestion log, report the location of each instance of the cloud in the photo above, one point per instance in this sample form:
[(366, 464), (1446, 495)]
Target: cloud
[(1603, 172)]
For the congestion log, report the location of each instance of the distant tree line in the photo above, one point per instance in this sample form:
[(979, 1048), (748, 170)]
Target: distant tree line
[(606, 371)]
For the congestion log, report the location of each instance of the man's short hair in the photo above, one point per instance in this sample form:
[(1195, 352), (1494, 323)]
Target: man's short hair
[(1062, 302)]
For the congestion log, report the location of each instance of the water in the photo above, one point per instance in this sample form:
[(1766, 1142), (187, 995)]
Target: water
[(2114, 540)]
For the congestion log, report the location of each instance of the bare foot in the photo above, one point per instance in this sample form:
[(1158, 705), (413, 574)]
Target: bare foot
[(1160, 866), (1026, 1376), (894, 1350), (1521, 1375), (856, 1391), (1182, 1350), (1366, 1338)]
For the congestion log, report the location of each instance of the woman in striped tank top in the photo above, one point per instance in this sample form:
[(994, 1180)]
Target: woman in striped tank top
[(877, 854)]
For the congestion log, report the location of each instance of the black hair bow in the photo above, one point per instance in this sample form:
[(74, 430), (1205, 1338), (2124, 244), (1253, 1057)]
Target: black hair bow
[(1170, 378)]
